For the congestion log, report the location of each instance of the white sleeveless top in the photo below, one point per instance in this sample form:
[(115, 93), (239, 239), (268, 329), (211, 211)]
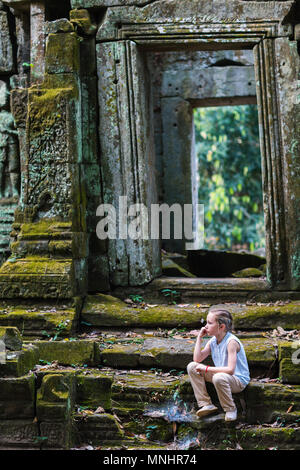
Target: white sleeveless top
[(219, 355)]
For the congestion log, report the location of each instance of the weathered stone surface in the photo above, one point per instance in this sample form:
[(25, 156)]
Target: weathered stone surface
[(98, 428), (17, 397), (6, 51), (103, 310), (262, 439), (18, 433), (193, 12), (19, 363), (35, 319), (39, 277), (287, 71), (55, 398), (37, 41), (78, 352), (131, 393), (127, 149), (105, 3), (56, 435), (62, 53), (170, 353), (289, 363), (264, 401), (58, 26), (214, 82), (11, 337), (82, 22), (170, 268), (249, 272), (94, 389)]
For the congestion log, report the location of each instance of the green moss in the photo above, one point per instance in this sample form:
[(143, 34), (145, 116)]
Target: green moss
[(248, 272), (105, 310), (44, 108), (62, 53), (94, 389), (67, 352), (264, 438), (36, 321), (44, 229), (36, 266)]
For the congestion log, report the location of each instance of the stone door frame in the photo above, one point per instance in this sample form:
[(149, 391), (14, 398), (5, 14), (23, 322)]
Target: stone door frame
[(210, 35)]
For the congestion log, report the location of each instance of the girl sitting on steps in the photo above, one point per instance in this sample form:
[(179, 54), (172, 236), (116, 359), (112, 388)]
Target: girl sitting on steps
[(231, 371)]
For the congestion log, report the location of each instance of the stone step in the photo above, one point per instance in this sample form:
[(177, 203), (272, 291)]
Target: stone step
[(40, 319), (169, 353), (268, 356), (194, 290), (107, 311), (134, 403)]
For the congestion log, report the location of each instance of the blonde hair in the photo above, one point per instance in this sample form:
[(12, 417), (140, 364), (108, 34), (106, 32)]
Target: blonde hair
[(223, 317)]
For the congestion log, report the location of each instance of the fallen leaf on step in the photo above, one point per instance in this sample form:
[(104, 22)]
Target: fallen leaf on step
[(99, 410), (290, 408)]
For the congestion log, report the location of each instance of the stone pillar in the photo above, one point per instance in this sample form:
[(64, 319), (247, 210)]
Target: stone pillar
[(6, 52), (127, 155), (287, 69), (277, 74), (49, 254), (37, 41), (179, 161)]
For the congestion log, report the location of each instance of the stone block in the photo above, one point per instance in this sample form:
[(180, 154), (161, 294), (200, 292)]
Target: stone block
[(19, 434), (59, 26), (55, 398), (98, 428), (81, 20), (56, 435), (67, 352), (94, 390), (37, 277), (35, 319), (18, 363), (62, 53), (6, 50), (263, 400), (289, 362), (11, 337), (17, 397)]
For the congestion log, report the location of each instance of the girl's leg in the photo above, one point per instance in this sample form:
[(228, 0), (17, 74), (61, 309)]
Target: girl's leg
[(198, 384), (225, 385)]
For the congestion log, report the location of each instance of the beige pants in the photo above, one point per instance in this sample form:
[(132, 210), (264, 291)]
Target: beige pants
[(225, 385)]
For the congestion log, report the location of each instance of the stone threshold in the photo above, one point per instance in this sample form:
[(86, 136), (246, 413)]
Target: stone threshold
[(106, 311)]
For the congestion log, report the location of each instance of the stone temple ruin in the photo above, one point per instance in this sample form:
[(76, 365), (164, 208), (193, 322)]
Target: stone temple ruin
[(96, 103)]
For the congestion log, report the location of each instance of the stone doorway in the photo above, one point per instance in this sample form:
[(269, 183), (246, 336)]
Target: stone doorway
[(125, 37), (127, 79), (181, 82)]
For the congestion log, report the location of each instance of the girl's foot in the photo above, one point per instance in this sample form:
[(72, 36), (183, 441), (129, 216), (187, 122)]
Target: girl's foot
[(206, 410), (231, 415)]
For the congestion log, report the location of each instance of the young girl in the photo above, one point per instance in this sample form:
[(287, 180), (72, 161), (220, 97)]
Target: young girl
[(231, 371)]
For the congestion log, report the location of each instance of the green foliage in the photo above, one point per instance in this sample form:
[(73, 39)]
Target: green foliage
[(230, 184), (173, 295), (138, 299)]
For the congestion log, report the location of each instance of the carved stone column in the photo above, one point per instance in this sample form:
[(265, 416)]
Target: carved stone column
[(37, 41)]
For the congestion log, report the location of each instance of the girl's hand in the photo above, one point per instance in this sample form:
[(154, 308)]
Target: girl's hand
[(203, 332), (201, 369)]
